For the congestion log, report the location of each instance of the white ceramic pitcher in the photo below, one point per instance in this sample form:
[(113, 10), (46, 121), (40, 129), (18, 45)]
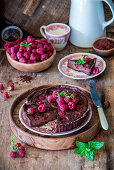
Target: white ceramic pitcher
[(87, 21)]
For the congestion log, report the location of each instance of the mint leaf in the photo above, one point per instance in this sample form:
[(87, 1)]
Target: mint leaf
[(78, 62), (25, 44), (95, 145), (89, 155), (83, 62), (88, 149), (77, 151), (81, 145), (12, 137)]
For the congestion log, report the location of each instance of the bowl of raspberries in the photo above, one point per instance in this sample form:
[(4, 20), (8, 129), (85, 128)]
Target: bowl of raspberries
[(30, 55)]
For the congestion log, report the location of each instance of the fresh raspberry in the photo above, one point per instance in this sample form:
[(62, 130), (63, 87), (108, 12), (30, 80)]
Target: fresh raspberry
[(5, 95), (38, 57), (17, 46), (14, 56), (27, 55), (60, 101), (8, 50), (19, 40), (40, 51), (43, 40), (64, 120), (76, 100), (29, 48), (39, 46), (14, 49), (61, 114), (49, 53), (22, 60), (11, 87), (87, 60), (30, 111), (19, 55), (54, 94), (21, 153), (30, 39), (38, 103), (33, 57), (7, 45), (22, 148), (34, 46), (95, 70), (13, 154), (34, 51), (29, 61), (41, 108), (51, 99), (51, 48), (63, 107), (46, 47), (36, 118), (71, 105), (1, 87), (22, 49), (42, 97), (107, 104), (18, 145), (67, 100), (44, 57), (35, 61)]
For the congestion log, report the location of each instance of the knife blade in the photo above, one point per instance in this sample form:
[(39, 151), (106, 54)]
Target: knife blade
[(97, 102)]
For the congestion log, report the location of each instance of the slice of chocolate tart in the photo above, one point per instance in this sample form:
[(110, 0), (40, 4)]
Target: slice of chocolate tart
[(85, 67)]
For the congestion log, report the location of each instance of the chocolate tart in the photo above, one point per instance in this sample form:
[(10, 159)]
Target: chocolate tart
[(69, 120), (86, 68)]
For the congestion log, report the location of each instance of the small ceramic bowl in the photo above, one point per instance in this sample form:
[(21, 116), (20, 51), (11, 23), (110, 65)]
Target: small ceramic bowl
[(35, 67), (11, 33), (103, 52)]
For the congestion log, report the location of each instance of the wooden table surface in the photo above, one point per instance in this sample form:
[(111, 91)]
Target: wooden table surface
[(37, 159)]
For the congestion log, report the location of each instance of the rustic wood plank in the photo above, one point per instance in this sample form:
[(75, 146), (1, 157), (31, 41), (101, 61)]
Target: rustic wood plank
[(55, 160)]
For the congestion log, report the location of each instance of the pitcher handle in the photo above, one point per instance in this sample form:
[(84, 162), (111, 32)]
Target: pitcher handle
[(111, 5), (42, 28)]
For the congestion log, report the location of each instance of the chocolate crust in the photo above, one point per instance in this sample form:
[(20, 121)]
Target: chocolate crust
[(60, 126)]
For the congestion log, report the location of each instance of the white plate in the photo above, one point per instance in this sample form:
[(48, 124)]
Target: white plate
[(62, 66), (36, 129)]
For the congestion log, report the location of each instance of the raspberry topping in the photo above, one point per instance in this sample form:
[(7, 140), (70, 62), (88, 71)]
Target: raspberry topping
[(63, 107), (42, 97), (51, 99), (71, 105), (42, 108), (67, 100), (87, 60), (38, 103), (61, 114), (54, 94), (64, 120), (37, 118), (30, 111)]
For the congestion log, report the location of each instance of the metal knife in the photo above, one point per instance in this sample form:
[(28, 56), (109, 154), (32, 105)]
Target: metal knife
[(97, 102)]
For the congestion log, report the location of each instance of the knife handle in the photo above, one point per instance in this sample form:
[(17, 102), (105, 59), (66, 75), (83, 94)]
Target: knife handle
[(102, 117)]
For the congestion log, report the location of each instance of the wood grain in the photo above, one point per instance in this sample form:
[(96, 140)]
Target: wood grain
[(30, 7), (38, 159)]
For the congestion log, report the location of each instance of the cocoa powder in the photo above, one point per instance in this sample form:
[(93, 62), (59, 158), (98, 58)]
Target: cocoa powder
[(25, 78)]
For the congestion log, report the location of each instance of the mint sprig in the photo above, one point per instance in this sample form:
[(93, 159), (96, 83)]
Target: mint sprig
[(26, 44), (88, 149), (64, 94), (81, 61)]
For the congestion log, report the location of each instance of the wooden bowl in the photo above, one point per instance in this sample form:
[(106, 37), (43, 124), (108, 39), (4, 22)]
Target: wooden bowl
[(103, 52), (35, 67)]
